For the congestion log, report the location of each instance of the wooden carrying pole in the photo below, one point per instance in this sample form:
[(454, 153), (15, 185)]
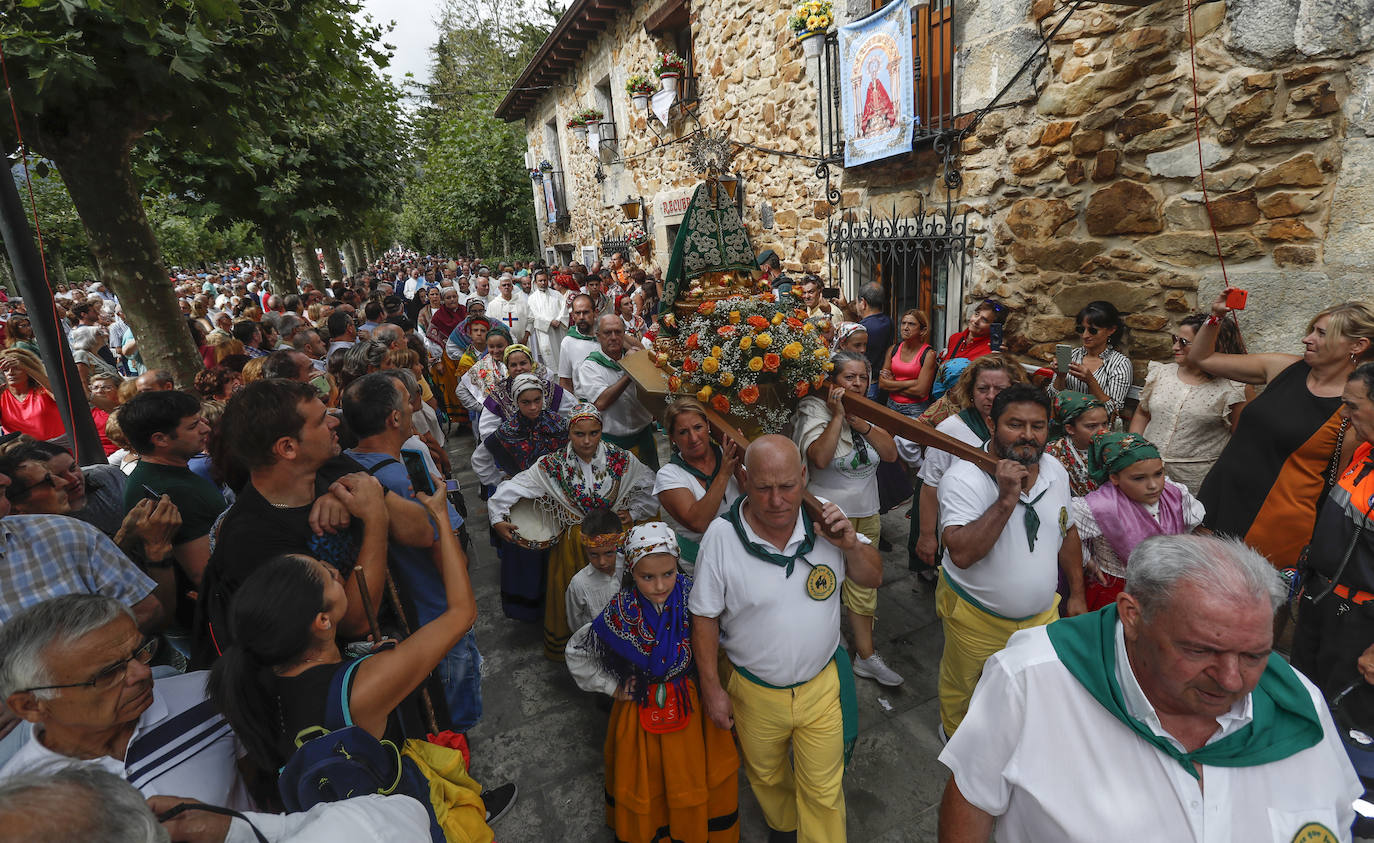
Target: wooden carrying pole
[(922, 434)]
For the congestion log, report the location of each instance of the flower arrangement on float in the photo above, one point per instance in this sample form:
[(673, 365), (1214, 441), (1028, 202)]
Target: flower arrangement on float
[(746, 356)]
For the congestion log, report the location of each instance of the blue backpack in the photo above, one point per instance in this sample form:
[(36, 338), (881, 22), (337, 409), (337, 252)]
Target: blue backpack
[(339, 760)]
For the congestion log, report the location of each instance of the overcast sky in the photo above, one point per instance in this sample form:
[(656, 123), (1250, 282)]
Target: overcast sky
[(412, 37)]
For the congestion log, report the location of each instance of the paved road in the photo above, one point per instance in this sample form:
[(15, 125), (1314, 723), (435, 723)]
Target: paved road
[(540, 730)]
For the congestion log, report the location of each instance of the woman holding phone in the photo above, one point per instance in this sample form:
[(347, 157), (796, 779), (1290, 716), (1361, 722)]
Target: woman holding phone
[(1098, 367)]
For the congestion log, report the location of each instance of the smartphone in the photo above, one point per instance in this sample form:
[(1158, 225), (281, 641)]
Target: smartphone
[(418, 472), (451, 485), (1063, 355), (1235, 298), (830, 293), (150, 494), (995, 336)]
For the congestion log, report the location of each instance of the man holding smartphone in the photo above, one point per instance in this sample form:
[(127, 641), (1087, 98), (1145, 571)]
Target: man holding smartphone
[(377, 409)]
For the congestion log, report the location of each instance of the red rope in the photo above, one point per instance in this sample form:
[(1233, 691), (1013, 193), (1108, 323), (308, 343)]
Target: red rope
[(38, 232), (1201, 165)]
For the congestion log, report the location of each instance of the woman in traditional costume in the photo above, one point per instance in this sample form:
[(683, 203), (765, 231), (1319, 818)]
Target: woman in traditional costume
[(563, 486), (489, 368), (670, 772), (532, 432)]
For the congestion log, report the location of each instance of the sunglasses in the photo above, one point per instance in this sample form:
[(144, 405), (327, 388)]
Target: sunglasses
[(996, 306), (1177, 340), (1091, 330), (109, 676), (16, 492)]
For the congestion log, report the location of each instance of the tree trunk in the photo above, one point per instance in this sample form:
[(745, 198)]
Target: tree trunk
[(350, 263), (101, 184), (276, 249), (56, 267), (370, 256), (505, 243), (7, 275), (330, 247)]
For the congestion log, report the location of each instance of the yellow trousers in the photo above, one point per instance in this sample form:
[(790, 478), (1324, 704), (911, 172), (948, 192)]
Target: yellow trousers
[(805, 792), (972, 636), (860, 599)]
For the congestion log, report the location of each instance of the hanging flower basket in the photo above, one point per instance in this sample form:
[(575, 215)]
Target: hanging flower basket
[(640, 87), (641, 102), (669, 67), (811, 40)]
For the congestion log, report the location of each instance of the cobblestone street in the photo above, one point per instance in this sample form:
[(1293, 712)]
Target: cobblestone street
[(540, 730)]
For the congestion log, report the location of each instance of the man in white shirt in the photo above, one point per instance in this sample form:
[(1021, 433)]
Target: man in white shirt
[(550, 320), (602, 381), (76, 667), (577, 343), (510, 310), (1165, 716), (1006, 538), (767, 589)]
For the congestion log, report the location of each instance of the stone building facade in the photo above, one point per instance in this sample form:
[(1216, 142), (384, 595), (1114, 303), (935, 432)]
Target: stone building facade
[(1082, 183)]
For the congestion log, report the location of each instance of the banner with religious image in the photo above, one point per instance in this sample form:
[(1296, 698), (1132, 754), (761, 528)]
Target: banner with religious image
[(876, 85), (550, 203)]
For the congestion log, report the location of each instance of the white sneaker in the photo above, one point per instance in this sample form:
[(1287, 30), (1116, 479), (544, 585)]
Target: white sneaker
[(876, 669)]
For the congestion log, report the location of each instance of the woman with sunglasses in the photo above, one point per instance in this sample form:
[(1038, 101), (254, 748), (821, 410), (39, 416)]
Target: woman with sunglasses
[(1187, 413), (19, 334), (1098, 367)]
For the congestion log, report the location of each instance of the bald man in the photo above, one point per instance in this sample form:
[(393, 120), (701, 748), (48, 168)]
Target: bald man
[(767, 589)]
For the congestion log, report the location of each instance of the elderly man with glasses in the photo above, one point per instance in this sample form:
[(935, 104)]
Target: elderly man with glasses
[(76, 668)]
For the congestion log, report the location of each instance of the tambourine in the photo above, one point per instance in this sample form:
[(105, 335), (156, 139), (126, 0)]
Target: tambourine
[(535, 527)]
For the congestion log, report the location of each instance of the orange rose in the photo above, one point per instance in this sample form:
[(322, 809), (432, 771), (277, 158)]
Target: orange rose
[(771, 362), (799, 313), (817, 381), (793, 322), (757, 322), (749, 394), (707, 307), (674, 383), (689, 365), (768, 297), (693, 342), (721, 404), (802, 389), (725, 330)]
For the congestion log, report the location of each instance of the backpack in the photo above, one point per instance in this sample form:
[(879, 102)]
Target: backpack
[(339, 760)]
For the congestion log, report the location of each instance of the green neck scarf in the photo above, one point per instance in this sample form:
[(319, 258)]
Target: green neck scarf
[(1285, 721), (578, 335), (707, 480), (1031, 518), (736, 517), (974, 420), (603, 360)]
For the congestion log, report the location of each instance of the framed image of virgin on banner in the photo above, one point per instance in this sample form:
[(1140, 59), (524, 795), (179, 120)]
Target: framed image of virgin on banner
[(876, 85)]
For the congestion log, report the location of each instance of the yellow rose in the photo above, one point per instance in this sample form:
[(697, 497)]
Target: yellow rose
[(710, 366), (716, 351), (734, 317), (763, 340), (829, 367), (704, 394), (809, 328), (755, 364), (777, 319), (792, 350), (821, 354), (726, 378), (745, 343)]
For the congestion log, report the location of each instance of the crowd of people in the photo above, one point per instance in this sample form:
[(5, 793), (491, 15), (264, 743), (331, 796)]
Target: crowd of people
[(262, 585)]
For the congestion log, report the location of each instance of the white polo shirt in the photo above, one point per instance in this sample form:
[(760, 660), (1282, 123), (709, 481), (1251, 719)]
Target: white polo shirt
[(1038, 752), (626, 415), (938, 462), (181, 746), (1013, 580), (769, 625)]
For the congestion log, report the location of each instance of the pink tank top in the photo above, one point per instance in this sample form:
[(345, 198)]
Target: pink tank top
[(904, 371)]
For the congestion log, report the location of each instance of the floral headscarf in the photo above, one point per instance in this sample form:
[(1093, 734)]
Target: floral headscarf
[(1113, 452), (648, 539), (583, 411), (844, 331)]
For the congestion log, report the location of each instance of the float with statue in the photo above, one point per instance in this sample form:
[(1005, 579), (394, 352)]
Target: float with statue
[(746, 352)]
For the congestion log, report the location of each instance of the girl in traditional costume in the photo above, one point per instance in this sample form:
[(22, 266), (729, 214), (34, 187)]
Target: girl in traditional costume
[(1082, 417), (489, 368), (564, 485), (1138, 503), (670, 772), (499, 405), (532, 432)]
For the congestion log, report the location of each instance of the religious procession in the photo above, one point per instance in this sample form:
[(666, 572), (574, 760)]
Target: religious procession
[(924, 449)]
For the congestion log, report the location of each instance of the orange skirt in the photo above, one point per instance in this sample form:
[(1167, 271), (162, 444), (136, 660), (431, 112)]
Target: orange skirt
[(681, 785)]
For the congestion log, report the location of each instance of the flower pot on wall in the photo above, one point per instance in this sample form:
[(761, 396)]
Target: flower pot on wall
[(811, 40), (593, 137), (669, 82), (641, 102)]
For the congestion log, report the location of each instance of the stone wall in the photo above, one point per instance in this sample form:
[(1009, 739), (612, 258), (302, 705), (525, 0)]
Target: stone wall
[(1084, 183)]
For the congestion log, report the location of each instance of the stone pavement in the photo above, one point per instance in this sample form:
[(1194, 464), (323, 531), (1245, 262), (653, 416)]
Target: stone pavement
[(540, 730)]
